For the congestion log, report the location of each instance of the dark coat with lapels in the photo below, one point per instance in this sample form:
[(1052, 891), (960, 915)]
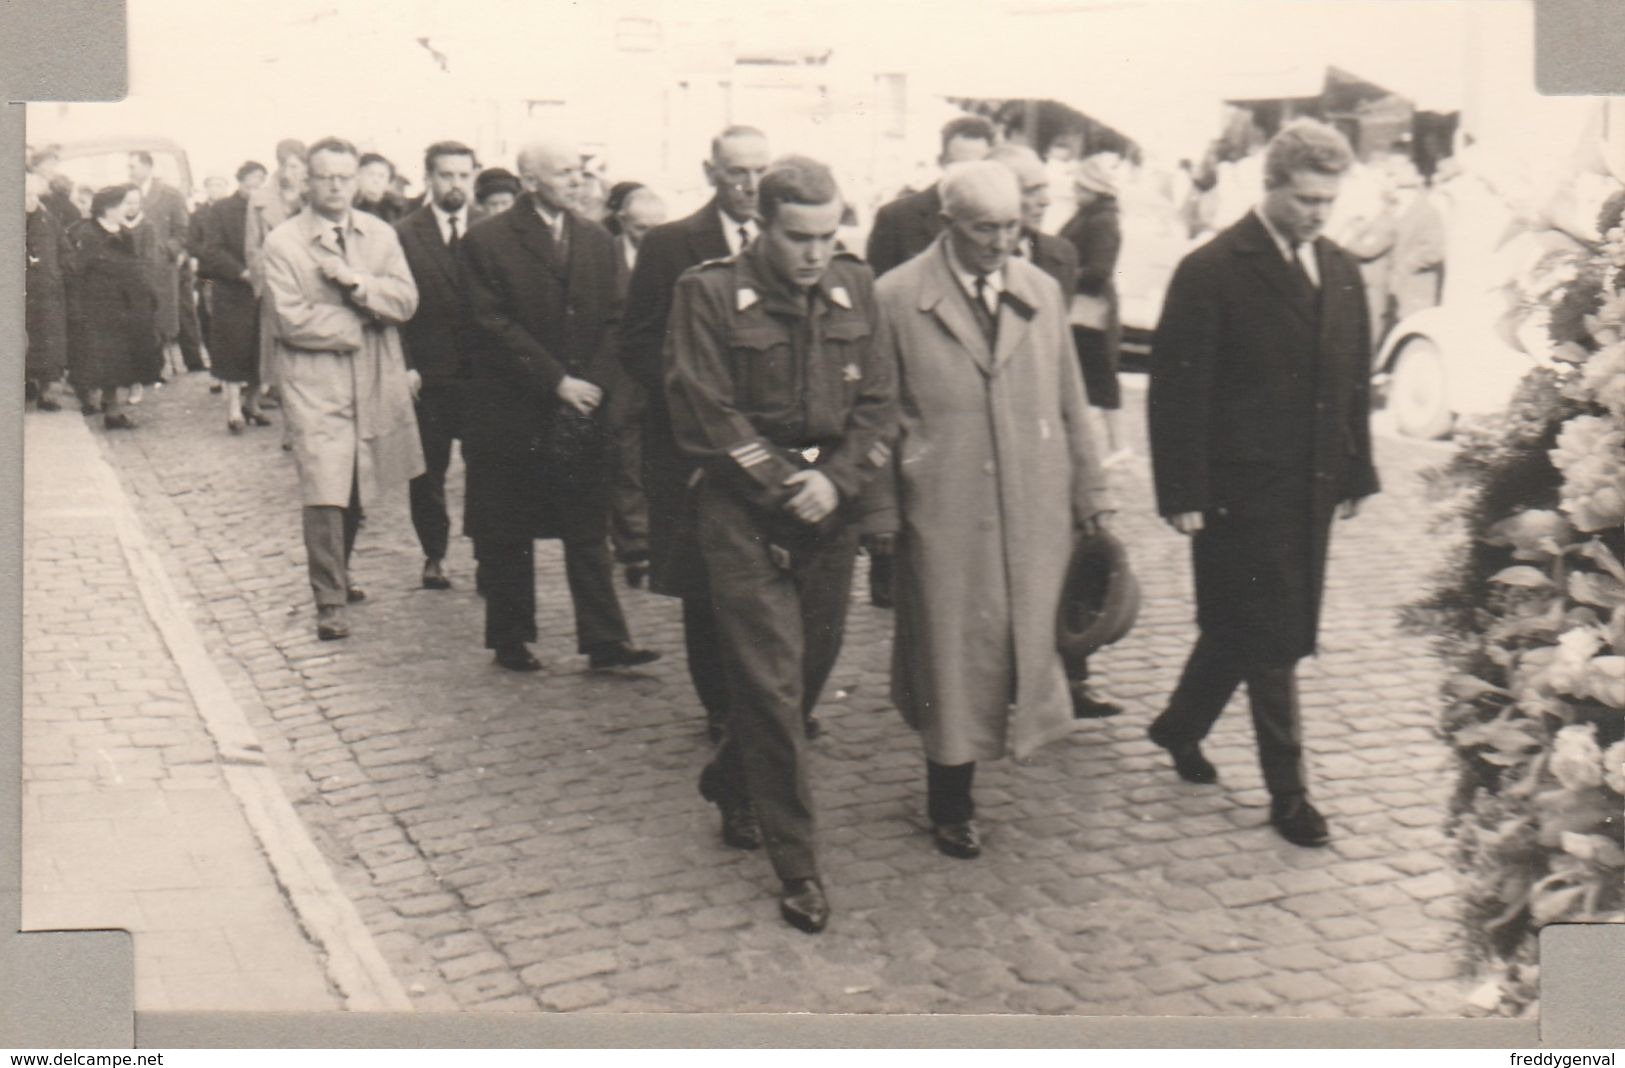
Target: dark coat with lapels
[(675, 567), (1260, 420), (904, 228), (437, 339), (537, 318)]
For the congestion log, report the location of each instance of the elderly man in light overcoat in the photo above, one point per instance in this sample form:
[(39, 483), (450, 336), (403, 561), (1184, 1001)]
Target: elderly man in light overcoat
[(338, 287), (994, 477)]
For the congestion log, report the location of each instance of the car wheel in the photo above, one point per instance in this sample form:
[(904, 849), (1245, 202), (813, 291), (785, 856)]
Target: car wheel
[(1417, 396)]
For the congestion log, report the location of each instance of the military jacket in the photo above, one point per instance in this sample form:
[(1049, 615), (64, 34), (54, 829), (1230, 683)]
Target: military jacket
[(763, 379)]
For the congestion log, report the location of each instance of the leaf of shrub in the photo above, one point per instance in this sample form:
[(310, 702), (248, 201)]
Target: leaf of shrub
[(1522, 575), (1603, 591)]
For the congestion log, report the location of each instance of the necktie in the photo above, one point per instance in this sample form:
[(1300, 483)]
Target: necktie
[(1301, 271), (455, 236), (561, 239), (338, 235), (986, 319), (744, 239)]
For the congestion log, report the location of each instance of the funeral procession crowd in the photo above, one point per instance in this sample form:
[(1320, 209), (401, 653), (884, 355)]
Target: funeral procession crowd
[(733, 405)]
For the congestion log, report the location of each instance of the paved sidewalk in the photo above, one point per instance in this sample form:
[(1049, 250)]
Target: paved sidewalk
[(146, 803), (537, 842)]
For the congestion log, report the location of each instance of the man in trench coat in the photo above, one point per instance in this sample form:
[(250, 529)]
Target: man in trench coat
[(541, 290), (1260, 433), (993, 476), (338, 287)]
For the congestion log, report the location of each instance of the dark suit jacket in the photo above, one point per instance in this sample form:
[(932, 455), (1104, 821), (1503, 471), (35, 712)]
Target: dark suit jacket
[(234, 317), (667, 251), (1260, 419), (435, 340), (904, 228), (535, 321), (1056, 258)]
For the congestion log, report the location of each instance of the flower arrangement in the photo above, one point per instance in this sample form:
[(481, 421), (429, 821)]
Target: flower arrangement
[(1530, 614)]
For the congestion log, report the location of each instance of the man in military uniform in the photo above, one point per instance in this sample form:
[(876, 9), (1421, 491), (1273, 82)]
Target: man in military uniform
[(775, 388)]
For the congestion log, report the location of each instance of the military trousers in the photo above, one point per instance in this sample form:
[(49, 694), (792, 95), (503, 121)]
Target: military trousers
[(781, 619)]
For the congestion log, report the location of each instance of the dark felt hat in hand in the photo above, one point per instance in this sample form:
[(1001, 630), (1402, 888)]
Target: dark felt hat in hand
[(1100, 600)]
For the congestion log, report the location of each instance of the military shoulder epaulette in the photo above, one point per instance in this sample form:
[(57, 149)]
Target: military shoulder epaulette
[(706, 265)]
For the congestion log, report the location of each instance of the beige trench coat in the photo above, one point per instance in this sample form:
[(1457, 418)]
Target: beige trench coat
[(993, 472), (344, 386)]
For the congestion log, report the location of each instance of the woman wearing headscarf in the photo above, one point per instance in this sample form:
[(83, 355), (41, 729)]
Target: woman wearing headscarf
[(114, 302), (1097, 331)]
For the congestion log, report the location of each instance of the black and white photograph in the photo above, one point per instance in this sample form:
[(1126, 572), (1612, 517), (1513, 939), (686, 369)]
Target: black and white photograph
[(1097, 508)]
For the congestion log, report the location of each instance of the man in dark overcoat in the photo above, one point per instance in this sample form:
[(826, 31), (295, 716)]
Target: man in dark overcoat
[(437, 339), (905, 227), (723, 227), (1260, 435), (45, 297), (541, 286)]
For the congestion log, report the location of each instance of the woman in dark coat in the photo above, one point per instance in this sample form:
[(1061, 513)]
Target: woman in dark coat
[(45, 307), (114, 304), (1096, 329), (234, 323)]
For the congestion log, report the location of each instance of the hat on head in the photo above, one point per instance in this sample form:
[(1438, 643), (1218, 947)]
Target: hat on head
[(1094, 175), (1099, 601)]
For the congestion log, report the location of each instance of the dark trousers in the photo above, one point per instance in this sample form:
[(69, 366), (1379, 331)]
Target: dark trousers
[(329, 540), (1210, 678), (191, 334), (508, 579), (703, 642), (781, 628), (629, 508), (438, 408), (947, 792)]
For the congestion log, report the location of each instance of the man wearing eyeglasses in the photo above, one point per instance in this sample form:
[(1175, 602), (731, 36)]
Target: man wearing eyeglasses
[(338, 288)]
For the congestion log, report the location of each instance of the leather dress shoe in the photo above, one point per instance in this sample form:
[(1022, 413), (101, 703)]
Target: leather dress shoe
[(517, 658), (1088, 703), (1298, 821), (355, 595), (46, 404), (330, 622), (118, 421), (257, 419), (434, 576), (620, 654), (812, 727), (803, 905), (959, 840), (1189, 762)]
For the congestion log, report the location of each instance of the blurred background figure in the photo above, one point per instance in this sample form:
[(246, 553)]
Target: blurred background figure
[(1419, 243), (234, 319), (635, 209), (163, 208), (114, 304), (278, 200), (1095, 233), (375, 191), (45, 300), (495, 190), (59, 195), (215, 189)]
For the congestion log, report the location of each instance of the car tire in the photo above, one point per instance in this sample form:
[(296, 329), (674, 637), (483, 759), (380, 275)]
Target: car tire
[(1418, 396)]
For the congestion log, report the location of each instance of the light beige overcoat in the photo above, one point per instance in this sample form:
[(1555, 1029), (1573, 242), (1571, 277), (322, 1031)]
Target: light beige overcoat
[(344, 386), (993, 472)]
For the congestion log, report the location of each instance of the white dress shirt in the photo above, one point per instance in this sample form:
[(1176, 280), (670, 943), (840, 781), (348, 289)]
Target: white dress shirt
[(992, 286), (442, 219), (730, 232), (1306, 250), (553, 219)]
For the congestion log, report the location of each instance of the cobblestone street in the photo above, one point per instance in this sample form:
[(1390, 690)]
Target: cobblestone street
[(521, 842)]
